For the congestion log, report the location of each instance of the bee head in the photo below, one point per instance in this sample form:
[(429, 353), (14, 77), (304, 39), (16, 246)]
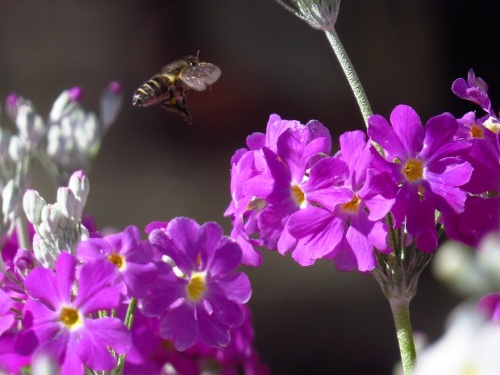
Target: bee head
[(192, 60)]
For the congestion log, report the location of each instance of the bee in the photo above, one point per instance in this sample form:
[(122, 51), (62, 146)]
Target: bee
[(171, 86)]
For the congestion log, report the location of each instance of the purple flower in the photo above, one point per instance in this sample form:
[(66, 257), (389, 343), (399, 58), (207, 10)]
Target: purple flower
[(150, 353), (266, 182), (348, 202), (240, 353), (426, 163), (472, 128), (480, 217), (132, 257), (7, 318), (11, 246), (10, 361), (474, 90), (482, 209), (201, 295), (59, 324)]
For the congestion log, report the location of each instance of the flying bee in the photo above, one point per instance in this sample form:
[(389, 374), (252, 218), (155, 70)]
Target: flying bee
[(171, 86)]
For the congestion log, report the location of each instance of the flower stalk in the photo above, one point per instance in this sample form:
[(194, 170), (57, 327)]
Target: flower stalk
[(397, 275), (350, 73), (401, 313), (322, 15), (129, 319)]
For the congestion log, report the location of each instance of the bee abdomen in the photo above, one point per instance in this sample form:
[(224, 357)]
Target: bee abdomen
[(152, 91)]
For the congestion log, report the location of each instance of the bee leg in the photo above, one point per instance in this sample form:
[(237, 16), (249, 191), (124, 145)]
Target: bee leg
[(177, 103)]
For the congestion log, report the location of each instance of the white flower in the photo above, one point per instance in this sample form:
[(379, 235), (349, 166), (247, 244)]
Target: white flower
[(469, 272), (470, 345)]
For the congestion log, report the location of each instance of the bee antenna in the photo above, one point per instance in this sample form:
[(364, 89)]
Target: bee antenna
[(197, 54)]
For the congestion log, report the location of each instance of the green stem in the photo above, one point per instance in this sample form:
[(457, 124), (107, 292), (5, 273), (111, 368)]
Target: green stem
[(401, 313), (397, 274), (129, 319), (350, 73), (22, 233)]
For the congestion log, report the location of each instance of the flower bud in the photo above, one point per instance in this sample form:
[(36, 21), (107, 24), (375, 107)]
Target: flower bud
[(17, 149), (24, 261), (30, 125), (10, 195), (68, 204), (86, 135), (56, 144), (110, 103), (65, 103), (12, 104), (50, 216), (33, 204), (319, 14), (79, 185)]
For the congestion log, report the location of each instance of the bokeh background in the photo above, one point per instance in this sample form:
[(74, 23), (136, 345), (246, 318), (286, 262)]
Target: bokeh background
[(152, 166)]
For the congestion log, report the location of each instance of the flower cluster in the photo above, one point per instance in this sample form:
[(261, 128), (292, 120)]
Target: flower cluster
[(57, 226), (76, 302), (481, 213), (372, 197), (67, 141), (174, 302)]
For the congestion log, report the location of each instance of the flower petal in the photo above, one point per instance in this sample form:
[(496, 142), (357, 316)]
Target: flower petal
[(167, 289), (99, 334), (227, 257), (211, 331), (235, 287), (409, 129), (180, 325)]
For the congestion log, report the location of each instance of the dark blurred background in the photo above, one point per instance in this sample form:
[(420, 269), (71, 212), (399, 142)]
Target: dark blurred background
[(152, 166)]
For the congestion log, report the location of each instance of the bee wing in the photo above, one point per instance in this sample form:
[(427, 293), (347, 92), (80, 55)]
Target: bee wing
[(199, 77)]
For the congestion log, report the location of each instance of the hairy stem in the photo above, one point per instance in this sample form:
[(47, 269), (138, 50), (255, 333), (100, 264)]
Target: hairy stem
[(401, 313), (350, 73)]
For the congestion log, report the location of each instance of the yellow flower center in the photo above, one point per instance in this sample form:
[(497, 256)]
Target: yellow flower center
[(352, 206), (413, 170), (469, 369), (256, 203), (298, 195), (117, 260), (476, 131), (70, 318), (196, 287), (492, 124)]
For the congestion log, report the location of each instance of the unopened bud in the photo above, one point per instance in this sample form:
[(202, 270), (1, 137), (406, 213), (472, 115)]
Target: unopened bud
[(319, 14), (80, 186), (86, 134), (68, 204), (50, 219), (24, 261), (110, 103), (33, 204), (65, 103), (10, 195), (12, 104), (30, 125), (17, 149)]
